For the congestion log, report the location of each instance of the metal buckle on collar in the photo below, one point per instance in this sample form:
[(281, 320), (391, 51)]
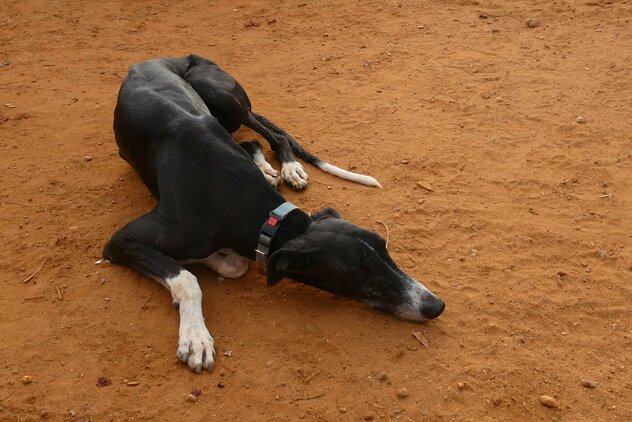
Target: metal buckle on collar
[(269, 229)]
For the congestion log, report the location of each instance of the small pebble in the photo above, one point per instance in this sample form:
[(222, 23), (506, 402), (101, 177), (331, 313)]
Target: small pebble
[(381, 376), (228, 353), (420, 201), (72, 413), (461, 385), (589, 384), (191, 398), (343, 410), (532, 22), (87, 158), (402, 393), (580, 119), (26, 380), (43, 413), (221, 384), (549, 401)]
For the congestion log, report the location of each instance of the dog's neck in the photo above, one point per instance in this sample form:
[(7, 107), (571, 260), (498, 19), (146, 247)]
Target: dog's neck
[(293, 225)]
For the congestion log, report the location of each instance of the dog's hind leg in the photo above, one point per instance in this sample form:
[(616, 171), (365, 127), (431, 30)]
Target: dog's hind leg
[(307, 156), (292, 171), (254, 149), (134, 246), (227, 263)]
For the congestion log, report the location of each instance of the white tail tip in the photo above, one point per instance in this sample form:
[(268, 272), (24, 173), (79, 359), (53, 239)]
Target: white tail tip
[(348, 175)]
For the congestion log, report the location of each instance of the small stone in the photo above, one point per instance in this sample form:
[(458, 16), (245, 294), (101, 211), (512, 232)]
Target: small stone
[(549, 401), (343, 410), (461, 385), (228, 353), (580, 119), (26, 380), (191, 398), (589, 384), (420, 201), (402, 393), (43, 413), (221, 385), (381, 376), (72, 413), (87, 158), (132, 383), (196, 392), (222, 372), (532, 22)]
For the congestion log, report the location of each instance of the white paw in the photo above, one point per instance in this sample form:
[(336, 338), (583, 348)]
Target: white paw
[(271, 175), (196, 346), (294, 175)]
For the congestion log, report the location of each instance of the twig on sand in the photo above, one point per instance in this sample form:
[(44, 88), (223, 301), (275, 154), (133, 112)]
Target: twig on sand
[(32, 298), (311, 377), (14, 203), (59, 294), (146, 302), (388, 234), (317, 396), (27, 279)]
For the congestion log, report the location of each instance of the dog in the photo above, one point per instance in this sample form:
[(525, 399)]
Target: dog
[(217, 204)]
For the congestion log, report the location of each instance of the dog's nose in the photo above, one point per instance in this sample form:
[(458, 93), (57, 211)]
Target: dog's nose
[(433, 308)]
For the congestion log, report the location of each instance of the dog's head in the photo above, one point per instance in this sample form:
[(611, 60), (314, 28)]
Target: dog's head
[(339, 257)]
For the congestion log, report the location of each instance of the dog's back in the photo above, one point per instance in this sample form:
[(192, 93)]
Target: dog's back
[(156, 109)]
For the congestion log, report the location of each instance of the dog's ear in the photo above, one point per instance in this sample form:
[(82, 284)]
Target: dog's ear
[(286, 263), (326, 213)]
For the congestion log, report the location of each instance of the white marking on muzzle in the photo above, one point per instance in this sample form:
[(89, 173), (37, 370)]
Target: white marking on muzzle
[(417, 295)]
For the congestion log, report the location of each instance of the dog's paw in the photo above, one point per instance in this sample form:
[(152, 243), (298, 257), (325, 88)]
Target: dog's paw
[(294, 175), (196, 346), (271, 175)]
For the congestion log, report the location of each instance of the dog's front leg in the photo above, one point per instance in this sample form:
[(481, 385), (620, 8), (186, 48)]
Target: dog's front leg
[(134, 246), (195, 344)]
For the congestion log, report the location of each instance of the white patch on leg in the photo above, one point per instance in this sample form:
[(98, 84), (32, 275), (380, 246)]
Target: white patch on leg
[(294, 175), (195, 344), (227, 263), (271, 175)]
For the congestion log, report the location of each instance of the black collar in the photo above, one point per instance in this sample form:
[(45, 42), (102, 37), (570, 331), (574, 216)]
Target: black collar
[(269, 229)]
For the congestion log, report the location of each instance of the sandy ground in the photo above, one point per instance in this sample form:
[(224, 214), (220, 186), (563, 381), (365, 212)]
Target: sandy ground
[(526, 234)]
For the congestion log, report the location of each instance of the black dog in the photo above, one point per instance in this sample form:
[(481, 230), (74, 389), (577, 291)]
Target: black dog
[(215, 207)]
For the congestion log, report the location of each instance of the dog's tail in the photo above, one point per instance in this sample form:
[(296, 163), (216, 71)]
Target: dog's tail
[(307, 156)]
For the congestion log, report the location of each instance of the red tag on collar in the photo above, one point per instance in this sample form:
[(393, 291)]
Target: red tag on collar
[(273, 221)]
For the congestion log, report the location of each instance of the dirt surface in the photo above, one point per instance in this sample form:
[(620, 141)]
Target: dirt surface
[(525, 234)]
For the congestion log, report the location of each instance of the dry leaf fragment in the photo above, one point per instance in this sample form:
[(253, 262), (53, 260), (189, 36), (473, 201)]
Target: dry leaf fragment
[(420, 338), (427, 186)]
